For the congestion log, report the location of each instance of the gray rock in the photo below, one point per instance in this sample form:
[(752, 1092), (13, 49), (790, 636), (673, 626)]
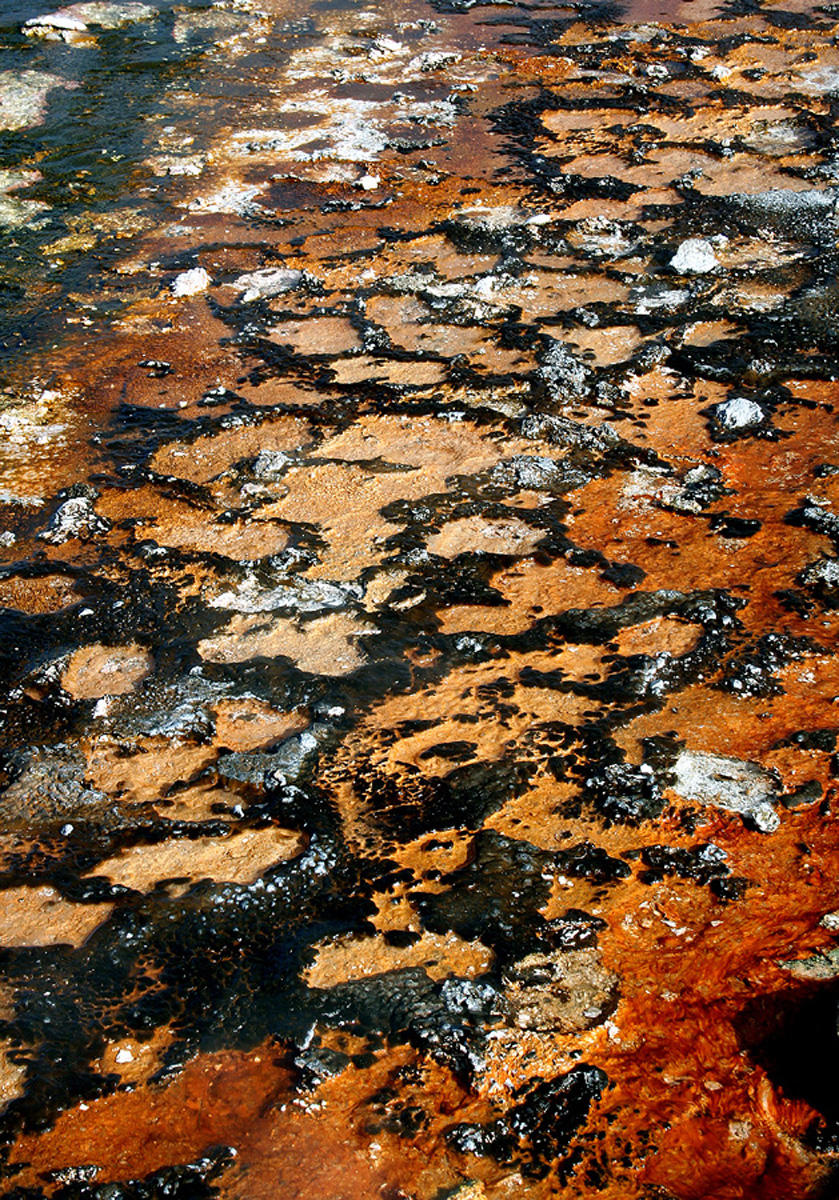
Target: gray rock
[(50, 786), (565, 375), (74, 518), (824, 571), (270, 464), (538, 473), (301, 595), (271, 281), (816, 967), (562, 431), (181, 709), (295, 753), (702, 487)]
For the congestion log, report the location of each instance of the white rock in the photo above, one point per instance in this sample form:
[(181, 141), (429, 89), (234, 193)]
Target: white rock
[(648, 300), (190, 283), (7, 496), (739, 413), (819, 80), (123, 1055), (348, 130), (387, 45), (67, 24), (304, 596), (53, 24), (231, 197), (694, 257), (433, 60), (728, 783), (368, 182), (107, 15)]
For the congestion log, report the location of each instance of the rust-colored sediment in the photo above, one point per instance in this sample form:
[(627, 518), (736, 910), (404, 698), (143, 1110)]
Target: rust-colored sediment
[(419, 598)]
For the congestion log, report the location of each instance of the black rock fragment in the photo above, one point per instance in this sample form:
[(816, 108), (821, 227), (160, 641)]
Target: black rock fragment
[(537, 1131)]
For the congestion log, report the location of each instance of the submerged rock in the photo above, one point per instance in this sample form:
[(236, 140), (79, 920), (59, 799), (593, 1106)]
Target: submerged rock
[(16, 211), (480, 536), (108, 15), (241, 857), (24, 96), (802, 213), (41, 916), (445, 633)]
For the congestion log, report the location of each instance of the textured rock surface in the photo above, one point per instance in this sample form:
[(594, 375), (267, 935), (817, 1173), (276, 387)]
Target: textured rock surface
[(419, 528)]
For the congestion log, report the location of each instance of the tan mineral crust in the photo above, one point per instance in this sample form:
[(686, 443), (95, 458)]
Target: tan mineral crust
[(96, 671), (419, 600), (239, 858)]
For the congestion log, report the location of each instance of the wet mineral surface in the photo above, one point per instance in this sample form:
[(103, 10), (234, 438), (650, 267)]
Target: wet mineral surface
[(419, 570)]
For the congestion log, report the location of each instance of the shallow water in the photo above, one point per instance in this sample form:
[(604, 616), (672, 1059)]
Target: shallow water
[(418, 601)]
